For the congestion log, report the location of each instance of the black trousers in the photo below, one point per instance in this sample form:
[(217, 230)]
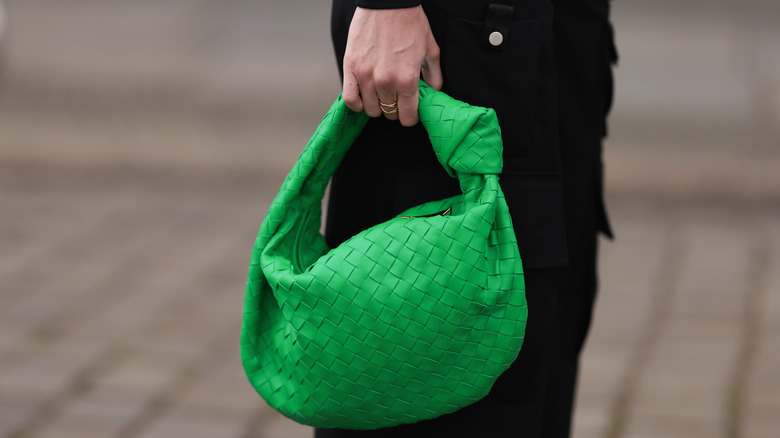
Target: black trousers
[(551, 87)]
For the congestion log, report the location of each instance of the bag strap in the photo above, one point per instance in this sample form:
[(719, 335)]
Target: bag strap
[(466, 139)]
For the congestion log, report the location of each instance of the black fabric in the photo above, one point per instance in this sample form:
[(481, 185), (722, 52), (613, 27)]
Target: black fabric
[(518, 82), (585, 53), (387, 4), (551, 86), (497, 19)]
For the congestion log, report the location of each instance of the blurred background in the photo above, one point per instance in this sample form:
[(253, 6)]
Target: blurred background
[(142, 141)]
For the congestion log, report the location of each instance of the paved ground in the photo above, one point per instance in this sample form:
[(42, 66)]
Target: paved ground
[(139, 149), (122, 300)]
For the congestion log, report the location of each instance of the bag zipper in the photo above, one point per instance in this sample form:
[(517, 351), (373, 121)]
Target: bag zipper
[(441, 213)]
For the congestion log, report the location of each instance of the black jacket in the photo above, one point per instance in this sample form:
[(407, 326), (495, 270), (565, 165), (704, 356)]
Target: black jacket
[(550, 84)]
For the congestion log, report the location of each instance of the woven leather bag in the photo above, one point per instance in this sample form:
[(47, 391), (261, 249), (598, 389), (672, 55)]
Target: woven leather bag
[(408, 320)]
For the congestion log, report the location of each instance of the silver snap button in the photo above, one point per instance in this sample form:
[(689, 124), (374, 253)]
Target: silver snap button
[(496, 38)]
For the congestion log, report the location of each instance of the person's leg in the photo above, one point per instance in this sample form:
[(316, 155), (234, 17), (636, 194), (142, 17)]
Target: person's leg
[(574, 309), (584, 51), (534, 397)]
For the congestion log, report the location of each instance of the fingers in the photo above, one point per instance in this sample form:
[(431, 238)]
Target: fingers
[(394, 95), (387, 101), (408, 99), (389, 108), (370, 101), (387, 51), (402, 87), (351, 93), (361, 96), (390, 96)]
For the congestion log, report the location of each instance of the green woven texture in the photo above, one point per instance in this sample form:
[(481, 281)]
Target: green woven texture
[(408, 320)]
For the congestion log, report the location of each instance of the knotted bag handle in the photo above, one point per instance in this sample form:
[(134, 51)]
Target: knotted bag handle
[(452, 127)]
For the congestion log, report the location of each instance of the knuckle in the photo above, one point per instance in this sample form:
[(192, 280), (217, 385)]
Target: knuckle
[(384, 79), (350, 65), (363, 71), (407, 84)]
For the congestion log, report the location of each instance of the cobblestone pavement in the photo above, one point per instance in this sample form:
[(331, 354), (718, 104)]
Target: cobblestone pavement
[(142, 141)]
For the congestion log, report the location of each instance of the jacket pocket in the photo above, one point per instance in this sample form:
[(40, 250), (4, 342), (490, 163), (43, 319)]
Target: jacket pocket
[(504, 77)]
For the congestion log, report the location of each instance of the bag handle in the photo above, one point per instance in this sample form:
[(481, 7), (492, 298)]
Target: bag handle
[(465, 138)]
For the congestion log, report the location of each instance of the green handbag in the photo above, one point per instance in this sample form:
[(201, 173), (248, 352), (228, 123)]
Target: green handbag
[(408, 320)]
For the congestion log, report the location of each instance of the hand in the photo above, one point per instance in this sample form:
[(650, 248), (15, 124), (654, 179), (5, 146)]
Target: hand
[(386, 51)]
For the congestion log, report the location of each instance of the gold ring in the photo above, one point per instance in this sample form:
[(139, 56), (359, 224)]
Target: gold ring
[(388, 108)]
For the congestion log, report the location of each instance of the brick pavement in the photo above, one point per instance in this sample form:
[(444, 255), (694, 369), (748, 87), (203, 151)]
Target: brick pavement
[(685, 322)]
